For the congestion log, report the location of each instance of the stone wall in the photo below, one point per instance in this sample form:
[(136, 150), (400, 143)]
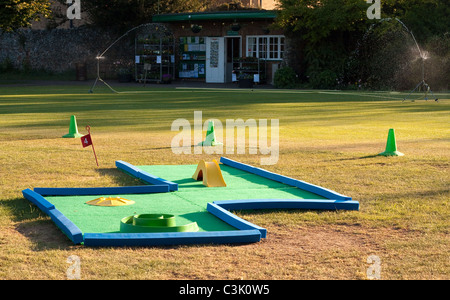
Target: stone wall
[(58, 50)]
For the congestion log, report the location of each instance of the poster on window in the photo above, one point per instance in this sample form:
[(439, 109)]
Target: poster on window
[(214, 55), (201, 69)]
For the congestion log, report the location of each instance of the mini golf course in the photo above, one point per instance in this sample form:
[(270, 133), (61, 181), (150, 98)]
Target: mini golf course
[(175, 207)]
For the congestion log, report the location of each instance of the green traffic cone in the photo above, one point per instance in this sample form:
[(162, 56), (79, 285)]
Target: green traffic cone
[(210, 139), (391, 145), (73, 129)]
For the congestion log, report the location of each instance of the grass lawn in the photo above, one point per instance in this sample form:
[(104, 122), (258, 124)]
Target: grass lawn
[(328, 138)]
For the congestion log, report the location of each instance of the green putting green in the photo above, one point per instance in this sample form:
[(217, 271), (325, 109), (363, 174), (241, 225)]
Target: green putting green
[(188, 204)]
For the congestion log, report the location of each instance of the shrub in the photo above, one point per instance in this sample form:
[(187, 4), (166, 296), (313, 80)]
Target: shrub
[(7, 65), (285, 78), (323, 80)]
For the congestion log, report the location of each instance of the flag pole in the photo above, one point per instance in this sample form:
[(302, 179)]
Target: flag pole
[(88, 128)]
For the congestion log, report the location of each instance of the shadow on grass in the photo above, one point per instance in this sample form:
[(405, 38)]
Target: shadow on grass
[(44, 235), (119, 177), (35, 225), (356, 158)]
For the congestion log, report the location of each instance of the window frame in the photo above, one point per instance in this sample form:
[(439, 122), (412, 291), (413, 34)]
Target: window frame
[(260, 45)]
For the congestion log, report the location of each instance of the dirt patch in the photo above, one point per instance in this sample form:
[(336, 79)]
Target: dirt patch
[(288, 253), (322, 238), (318, 252)]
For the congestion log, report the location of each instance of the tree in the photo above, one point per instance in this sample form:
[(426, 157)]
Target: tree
[(327, 32), (317, 20), (125, 14), (15, 14)]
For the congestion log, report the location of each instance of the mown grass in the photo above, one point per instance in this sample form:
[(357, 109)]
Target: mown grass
[(328, 138)]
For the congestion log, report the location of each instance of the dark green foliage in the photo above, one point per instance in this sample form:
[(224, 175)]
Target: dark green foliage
[(6, 65), (125, 14), (337, 53), (324, 80), (285, 78)]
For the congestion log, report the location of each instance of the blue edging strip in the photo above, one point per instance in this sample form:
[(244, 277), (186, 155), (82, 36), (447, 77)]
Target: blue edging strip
[(171, 238), (246, 233), (144, 189), (313, 204), (69, 228), (286, 180), (222, 213), (38, 200), (136, 172)]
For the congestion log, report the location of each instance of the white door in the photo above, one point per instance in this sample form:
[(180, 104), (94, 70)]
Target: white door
[(215, 60)]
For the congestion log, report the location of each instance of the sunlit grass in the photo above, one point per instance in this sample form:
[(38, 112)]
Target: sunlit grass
[(328, 138)]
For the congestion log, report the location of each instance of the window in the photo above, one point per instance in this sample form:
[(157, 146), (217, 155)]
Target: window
[(262, 47), (266, 47), (252, 46)]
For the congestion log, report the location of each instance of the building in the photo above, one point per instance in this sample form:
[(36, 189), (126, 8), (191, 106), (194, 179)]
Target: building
[(230, 42), (225, 46)]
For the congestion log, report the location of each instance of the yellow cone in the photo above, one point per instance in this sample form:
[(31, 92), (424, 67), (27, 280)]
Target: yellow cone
[(110, 201)]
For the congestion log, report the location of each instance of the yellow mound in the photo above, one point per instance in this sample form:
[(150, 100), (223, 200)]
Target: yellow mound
[(210, 173), (110, 201)]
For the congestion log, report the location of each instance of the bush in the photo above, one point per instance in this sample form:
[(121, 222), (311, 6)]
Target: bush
[(437, 66), (285, 78), (323, 80), (7, 65)]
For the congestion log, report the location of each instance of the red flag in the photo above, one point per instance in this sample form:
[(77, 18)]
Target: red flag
[(86, 140)]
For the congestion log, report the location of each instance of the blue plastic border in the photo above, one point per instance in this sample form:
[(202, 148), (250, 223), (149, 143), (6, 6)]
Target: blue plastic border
[(246, 232), (63, 223), (286, 180), (222, 213), (38, 200), (313, 204), (70, 229), (171, 238), (142, 189), (142, 175)]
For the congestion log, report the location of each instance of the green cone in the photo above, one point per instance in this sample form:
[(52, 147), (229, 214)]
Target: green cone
[(210, 139), (73, 130), (391, 145)]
